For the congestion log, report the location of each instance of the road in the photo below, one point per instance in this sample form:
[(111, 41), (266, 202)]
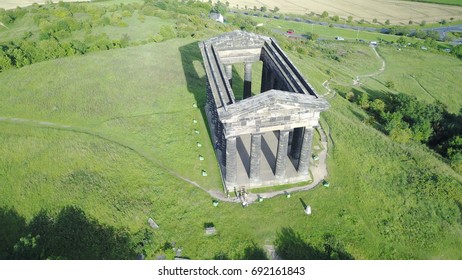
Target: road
[(442, 30)]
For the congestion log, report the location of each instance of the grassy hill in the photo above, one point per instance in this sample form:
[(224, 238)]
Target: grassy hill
[(93, 145), (111, 133)]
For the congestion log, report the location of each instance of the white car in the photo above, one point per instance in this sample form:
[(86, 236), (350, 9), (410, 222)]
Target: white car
[(339, 39)]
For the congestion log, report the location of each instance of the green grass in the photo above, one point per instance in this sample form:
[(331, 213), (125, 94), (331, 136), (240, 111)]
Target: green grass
[(112, 132), (426, 75), (445, 2), (135, 95)]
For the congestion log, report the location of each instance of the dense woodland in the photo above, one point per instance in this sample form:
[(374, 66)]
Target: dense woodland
[(404, 118)]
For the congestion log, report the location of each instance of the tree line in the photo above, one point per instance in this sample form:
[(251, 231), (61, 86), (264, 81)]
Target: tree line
[(53, 34), (405, 118)]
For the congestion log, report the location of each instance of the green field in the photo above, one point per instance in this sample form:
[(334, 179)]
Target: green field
[(445, 2), (105, 140)]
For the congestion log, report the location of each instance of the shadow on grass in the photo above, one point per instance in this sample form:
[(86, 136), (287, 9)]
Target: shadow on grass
[(303, 203), (459, 205), (251, 252), (191, 56), (71, 234), (12, 227), (290, 246)]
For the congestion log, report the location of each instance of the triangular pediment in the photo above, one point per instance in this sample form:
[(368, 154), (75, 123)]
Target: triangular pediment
[(274, 102), (237, 40)]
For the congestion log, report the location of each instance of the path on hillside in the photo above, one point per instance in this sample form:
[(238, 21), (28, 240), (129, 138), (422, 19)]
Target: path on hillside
[(140, 152), (330, 93), (319, 172), (380, 71)]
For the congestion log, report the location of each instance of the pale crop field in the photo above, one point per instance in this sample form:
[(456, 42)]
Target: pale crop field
[(11, 4), (394, 10)]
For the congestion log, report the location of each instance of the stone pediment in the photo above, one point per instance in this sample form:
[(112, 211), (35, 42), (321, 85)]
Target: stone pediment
[(237, 40), (273, 103)]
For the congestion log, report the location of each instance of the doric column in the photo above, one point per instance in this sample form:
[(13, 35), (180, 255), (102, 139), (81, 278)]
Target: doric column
[(255, 156), (305, 153), (229, 73), (281, 156), (247, 80), (231, 161), (296, 143)]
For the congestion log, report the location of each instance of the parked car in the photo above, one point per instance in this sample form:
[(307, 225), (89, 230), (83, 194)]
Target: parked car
[(339, 38)]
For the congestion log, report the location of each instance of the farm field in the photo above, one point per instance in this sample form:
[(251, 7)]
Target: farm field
[(394, 10), (93, 145), (447, 2)]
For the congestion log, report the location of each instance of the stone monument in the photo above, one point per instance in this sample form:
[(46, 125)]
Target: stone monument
[(265, 139)]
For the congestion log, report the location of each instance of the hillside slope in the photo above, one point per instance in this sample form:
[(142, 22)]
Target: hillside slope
[(113, 134)]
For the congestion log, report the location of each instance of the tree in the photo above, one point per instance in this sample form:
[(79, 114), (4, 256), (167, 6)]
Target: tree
[(401, 40), (350, 19), (458, 51), (5, 62), (311, 36), (335, 18), (263, 9), (433, 34), (51, 49), (374, 20), (220, 8), (387, 22), (390, 84), (325, 14), (364, 100), (378, 105), (276, 9)]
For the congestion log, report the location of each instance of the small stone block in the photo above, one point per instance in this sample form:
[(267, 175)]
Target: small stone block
[(201, 157), (204, 173), (196, 131), (215, 203), (288, 195), (308, 210), (152, 223), (194, 105), (260, 199), (210, 231), (194, 121), (325, 183), (199, 144)]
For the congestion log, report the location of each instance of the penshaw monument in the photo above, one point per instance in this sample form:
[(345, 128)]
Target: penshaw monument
[(264, 139)]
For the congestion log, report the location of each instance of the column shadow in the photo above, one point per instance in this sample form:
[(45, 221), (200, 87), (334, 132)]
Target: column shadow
[(303, 203), (244, 155), (192, 62), (266, 150)]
